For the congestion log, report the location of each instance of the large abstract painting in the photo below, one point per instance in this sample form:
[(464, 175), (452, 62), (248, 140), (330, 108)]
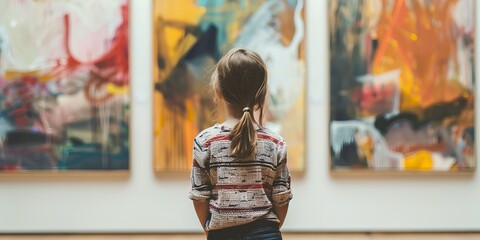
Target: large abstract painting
[(64, 86), (402, 85), (189, 38)]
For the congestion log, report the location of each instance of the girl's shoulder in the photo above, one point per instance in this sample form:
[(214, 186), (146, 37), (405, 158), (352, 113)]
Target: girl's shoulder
[(209, 133), (273, 135)]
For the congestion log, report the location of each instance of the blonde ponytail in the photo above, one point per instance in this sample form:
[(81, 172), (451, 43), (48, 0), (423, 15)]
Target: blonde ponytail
[(240, 78), (244, 136)]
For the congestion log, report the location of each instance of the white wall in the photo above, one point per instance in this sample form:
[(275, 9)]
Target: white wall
[(143, 202)]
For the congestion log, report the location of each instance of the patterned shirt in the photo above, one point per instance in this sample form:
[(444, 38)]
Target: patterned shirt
[(239, 191)]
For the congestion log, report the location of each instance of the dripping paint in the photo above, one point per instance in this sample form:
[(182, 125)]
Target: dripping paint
[(64, 86), (402, 85), (190, 37)]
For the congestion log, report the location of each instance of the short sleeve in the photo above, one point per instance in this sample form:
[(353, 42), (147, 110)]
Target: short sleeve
[(281, 192), (201, 189)]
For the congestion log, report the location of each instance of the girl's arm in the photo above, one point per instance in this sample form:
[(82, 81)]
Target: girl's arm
[(281, 212), (281, 191), (201, 190), (201, 208)]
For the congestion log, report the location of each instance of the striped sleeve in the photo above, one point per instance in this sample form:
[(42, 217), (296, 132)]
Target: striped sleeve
[(282, 193), (201, 189)]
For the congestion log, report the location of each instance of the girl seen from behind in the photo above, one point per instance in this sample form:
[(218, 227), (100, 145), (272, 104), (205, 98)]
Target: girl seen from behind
[(240, 180)]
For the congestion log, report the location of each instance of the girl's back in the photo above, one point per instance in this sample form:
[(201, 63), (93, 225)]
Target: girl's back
[(242, 190)]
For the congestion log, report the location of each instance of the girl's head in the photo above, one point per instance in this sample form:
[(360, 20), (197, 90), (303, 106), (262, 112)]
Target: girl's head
[(240, 80)]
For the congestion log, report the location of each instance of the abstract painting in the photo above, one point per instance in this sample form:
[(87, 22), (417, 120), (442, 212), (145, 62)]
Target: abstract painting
[(190, 37), (402, 85), (64, 86)]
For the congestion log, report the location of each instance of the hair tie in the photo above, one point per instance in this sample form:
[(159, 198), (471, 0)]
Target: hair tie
[(247, 109)]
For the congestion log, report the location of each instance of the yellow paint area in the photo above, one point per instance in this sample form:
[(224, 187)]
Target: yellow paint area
[(117, 90), (421, 160)]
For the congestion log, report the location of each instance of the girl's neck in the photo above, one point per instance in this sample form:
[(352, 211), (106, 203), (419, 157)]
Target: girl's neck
[(230, 121)]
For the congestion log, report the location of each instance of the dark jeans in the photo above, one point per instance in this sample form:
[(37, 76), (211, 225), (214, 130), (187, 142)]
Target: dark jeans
[(258, 230)]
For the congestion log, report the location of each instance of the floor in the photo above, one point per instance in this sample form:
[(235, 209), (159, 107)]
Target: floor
[(286, 236)]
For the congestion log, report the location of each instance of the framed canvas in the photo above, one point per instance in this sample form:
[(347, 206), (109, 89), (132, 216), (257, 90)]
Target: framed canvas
[(402, 85), (64, 86), (190, 37)]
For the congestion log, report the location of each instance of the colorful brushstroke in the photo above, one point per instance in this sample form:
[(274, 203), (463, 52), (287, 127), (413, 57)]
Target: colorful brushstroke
[(402, 85), (64, 85), (189, 38)]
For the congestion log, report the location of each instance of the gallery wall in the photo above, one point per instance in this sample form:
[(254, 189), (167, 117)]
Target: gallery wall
[(145, 202)]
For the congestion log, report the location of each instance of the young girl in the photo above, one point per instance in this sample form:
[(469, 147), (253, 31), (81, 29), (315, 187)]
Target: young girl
[(240, 180)]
